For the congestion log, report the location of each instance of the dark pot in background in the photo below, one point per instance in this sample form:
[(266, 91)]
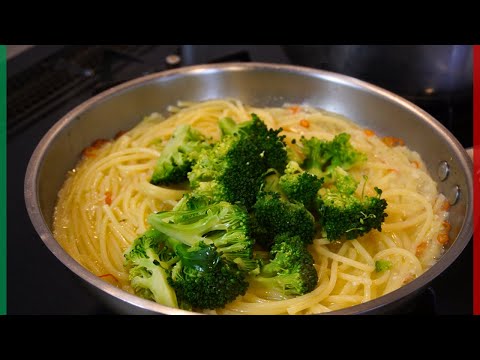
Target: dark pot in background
[(409, 70)]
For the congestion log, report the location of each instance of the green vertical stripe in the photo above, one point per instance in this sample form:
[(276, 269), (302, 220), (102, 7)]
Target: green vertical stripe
[(3, 180)]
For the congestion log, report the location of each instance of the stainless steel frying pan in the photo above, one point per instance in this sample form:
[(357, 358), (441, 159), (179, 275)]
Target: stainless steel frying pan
[(121, 107)]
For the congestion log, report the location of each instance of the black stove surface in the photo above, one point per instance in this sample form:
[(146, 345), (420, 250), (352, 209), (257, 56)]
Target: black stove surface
[(44, 83)]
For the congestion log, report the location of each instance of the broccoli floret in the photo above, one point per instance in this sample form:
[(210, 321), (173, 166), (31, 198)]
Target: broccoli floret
[(228, 126), (295, 185), (382, 265), (222, 224), (273, 216), (344, 216), (178, 156), (299, 185), (343, 181), (213, 253), (191, 201), (295, 152), (147, 276), (273, 147), (271, 183), (202, 279), (233, 170), (322, 157), (229, 171), (290, 271)]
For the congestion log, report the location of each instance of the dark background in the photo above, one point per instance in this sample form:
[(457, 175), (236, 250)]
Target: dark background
[(45, 82)]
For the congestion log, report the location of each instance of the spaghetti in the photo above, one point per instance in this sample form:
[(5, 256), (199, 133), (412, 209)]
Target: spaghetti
[(105, 200)]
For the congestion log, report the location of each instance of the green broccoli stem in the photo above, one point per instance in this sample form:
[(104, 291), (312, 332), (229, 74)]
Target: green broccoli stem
[(286, 283), (228, 126), (147, 276), (187, 233), (157, 283), (202, 258), (270, 269)]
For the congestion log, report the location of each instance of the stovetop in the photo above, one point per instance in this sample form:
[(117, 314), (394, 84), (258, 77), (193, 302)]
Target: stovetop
[(45, 82)]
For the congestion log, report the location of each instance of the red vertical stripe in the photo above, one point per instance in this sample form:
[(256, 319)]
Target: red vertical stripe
[(476, 182)]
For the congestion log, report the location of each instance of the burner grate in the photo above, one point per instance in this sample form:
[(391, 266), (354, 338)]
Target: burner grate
[(34, 93)]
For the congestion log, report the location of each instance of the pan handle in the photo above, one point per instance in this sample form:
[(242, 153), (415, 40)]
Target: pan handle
[(470, 152)]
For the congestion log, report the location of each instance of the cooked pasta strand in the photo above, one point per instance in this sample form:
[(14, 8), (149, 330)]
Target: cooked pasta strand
[(106, 199)]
